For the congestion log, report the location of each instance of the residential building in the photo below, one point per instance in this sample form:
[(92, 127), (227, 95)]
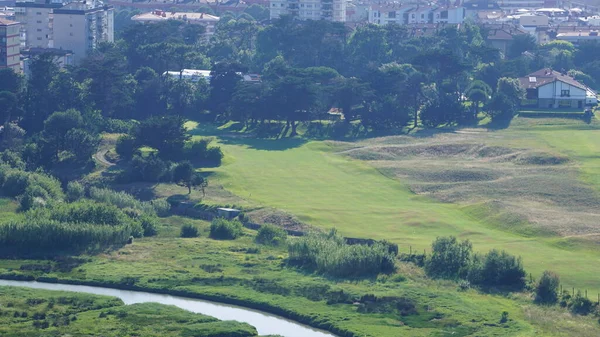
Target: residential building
[(10, 55), (207, 20), (421, 14), (578, 36), (513, 5), (82, 26), (453, 15), (473, 7), (389, 13), (36, 22), (331, 10), (500, 36), (7, 13), (547, 88)]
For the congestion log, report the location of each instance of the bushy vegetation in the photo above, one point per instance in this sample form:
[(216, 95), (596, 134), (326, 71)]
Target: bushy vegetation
[(452, 259), (189, 231), (546, 289), (223, 229), (75, 191), (124, 200), (271, 235), (329, 254), (36, 237), (200, 151)]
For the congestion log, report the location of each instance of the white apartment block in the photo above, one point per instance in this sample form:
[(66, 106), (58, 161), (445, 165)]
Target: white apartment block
[(331, 10), (81, 26), (36, 23), (414, 14)]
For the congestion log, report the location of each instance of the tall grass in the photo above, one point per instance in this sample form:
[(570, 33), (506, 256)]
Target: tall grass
[(329, 254), (47, 236), (125, 200)]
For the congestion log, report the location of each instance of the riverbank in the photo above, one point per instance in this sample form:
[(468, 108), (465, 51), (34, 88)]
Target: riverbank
[(264, 323), (240, 272)]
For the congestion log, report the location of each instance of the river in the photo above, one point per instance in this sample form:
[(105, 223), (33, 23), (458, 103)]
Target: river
[(265, 324)]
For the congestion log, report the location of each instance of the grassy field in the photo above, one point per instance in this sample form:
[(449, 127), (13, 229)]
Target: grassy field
[(31, 312), (240, 270), (317, 182)]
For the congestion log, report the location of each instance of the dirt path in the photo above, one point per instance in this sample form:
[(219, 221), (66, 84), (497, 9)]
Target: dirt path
[(100, 156)]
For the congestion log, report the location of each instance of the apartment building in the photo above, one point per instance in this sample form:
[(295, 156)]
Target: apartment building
[(36, 22), (413, 14), (10, 55), (81, 26), (331, 10)]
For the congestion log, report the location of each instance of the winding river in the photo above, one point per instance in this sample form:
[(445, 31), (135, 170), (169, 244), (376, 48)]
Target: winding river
[(265, 324)]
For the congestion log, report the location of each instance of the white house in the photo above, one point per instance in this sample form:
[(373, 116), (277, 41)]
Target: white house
[(547, 88), (389, 13)]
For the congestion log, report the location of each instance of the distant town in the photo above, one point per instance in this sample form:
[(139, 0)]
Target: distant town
[(70, 30)]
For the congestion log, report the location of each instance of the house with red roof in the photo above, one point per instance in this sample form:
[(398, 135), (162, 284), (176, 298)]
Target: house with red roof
[(547, 88)]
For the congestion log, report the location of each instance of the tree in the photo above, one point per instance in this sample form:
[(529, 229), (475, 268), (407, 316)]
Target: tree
[(184, 174), (10, 81), (259, 13), (82, 144), (449, 258), (165, 134), (8, 106), (57, 126), (367, 48), (478, 92), (348, 93), (506, 100), (39, 100), (546, 289), (224, 78), (520, 44)]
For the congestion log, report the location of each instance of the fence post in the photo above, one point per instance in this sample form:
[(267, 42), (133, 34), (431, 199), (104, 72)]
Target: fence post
[(573, 291), (410, 250)]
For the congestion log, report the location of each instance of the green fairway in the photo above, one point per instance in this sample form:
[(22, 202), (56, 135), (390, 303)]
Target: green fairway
[(329, 190)]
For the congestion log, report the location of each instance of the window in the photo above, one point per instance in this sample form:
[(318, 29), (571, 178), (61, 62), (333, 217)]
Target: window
[(70, 25), (308, 6), (412, 16), (422, 16), (392, 15), (70, 34), (38, 21), (39, 30), (565, 93), (38, 13), (301, 5), (39, 39), (274, 5)]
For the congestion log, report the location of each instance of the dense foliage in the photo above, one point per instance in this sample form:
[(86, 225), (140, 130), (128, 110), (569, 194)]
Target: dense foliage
[(329, 254), (271, 235), (546, 289), (452, 259), (189, 231), (223, 229)]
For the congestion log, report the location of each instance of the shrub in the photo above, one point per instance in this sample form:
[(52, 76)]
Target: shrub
[(150, 169), (149, 225), (271, 235), (119, 125), (329, 254), (449, 258), (189, 231), (126, 146), (199, 151), (120, 199), (15, 183), (580, 305), (12, 159), (497, 269), (75, 191), (222, 229), (34, 196), (161, 206), (546, 290)]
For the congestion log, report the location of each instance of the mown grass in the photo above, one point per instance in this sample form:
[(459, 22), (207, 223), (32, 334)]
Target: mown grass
[(34, 312), (310, 180)]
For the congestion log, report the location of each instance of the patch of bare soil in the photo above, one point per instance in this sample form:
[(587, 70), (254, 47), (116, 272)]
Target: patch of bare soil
[(278, 218)]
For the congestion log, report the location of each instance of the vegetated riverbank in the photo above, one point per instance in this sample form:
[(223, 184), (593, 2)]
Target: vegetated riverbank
[(256, 276), (290, 315), (36, 312), (264, 323)]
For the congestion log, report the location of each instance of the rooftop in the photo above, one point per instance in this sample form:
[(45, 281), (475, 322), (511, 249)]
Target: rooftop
[(545, 76), (7, 22), (160, 15)]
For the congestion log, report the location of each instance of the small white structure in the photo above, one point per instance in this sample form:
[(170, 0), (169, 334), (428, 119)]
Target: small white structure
[(547, 88), (196, 75)]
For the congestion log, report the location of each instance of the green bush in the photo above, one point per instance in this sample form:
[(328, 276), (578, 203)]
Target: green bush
[(34, 196), (580, 305), (75, 191), (189, 231), (449, 258), (15, 183), (120, 199), (329, 254), (222, 229), (149, 169), (161, 206), (12, 159), (497, 269), (199, 151), (119, 125), (271, 235), (149, 225), (546, 289)]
